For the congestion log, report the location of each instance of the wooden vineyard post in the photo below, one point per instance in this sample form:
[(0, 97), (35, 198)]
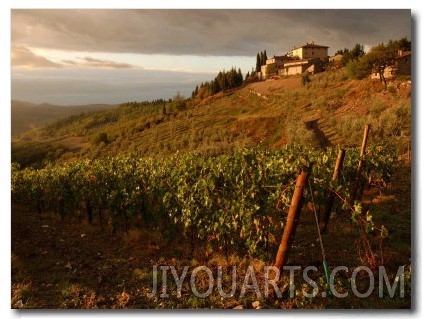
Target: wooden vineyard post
[(409, 152), (331, 196), (291, 221), (360, 166)]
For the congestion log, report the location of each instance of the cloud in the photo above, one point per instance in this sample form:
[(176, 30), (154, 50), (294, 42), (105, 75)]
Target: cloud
[(56, 44), (69, 62), (24, 57), (204, 31), (92, 62)]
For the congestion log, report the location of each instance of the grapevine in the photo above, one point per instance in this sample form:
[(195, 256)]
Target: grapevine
[(230, 201)]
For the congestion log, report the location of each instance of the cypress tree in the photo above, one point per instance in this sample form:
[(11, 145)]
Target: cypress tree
[(264, 58), (215, 86), (239, 78), (258, 64)]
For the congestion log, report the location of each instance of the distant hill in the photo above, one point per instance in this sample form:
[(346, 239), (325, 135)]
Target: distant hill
[(329, 110), (26, 116)]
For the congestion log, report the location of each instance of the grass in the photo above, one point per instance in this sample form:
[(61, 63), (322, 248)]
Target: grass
[(217, 124)]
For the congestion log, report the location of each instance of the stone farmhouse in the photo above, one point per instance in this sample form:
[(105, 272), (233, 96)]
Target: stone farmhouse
[(310, 51), (401, 66), (307, 58), (313, 58)]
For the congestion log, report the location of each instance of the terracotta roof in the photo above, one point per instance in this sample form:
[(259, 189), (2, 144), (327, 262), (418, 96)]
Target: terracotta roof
[(405, 53), (311, 45)]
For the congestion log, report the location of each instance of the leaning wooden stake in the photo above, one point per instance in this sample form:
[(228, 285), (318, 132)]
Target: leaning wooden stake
[(291, 222), (360, 166), (331, 196)]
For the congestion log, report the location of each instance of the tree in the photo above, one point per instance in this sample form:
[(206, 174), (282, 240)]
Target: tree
[(341, 51), (379, 58), (270, 70), (179, 102), (258, 63), (194, 93), (264, 59), (223, 81), (350, 55), (239, 78), (216, 87), (357, 51), (246, 76), (355, 69), (404, 44)]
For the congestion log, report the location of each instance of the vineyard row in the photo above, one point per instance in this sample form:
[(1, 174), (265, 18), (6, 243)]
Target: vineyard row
[(236, 200)]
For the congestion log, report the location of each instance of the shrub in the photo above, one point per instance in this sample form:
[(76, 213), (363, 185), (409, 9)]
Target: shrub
[(100, 137), (305, 78), (377, 108), (397, 121), (391, 89), (356, 70)]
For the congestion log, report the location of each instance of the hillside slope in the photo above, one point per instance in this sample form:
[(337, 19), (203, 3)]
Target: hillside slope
[(330, 110), (27, 116)]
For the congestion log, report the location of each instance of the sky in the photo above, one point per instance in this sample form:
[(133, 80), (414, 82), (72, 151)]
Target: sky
[(85, 56)]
